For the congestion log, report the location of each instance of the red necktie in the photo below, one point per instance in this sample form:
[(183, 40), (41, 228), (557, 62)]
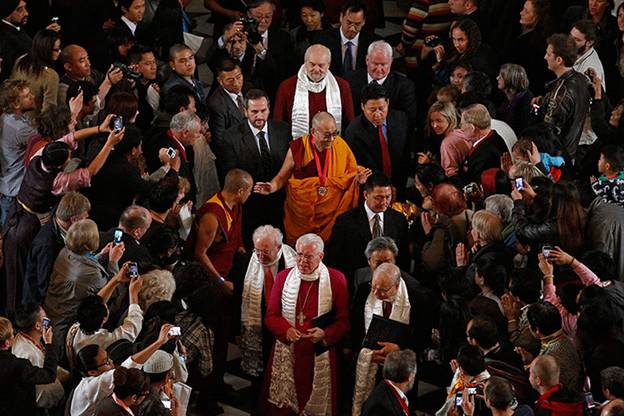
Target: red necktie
[(268, 284), (387, 309), (385, 154)]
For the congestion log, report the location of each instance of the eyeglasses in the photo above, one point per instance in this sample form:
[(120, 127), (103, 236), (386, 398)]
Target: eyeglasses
[(329, 136), (107, 362), (307, 257)]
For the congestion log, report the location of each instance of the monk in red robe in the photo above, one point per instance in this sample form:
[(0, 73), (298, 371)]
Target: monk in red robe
[(322, 180), (312, 90), (218, 225), (307, 291)]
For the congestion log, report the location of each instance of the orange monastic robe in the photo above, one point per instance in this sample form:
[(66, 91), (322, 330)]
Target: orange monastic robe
[(305, 210)]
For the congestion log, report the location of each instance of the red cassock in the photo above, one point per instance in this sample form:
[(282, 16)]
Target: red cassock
[(304, 349), (286, 97)]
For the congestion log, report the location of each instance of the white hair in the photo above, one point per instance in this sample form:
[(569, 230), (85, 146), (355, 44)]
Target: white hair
[(313, 239), (317, 46), (500, 205), (157, 285), (268, 231), (381, 46), (184, 120), (390, 270)]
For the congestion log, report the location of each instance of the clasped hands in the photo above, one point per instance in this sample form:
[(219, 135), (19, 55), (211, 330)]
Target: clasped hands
[(313, 334)]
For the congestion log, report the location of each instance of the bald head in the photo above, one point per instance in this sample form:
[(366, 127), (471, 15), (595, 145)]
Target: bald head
[(76, 61), (386, 279), (237, 180), (545, 372), (316, 62)]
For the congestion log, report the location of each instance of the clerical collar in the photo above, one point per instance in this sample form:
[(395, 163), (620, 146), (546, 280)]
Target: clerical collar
[(344, 40), (378, 81), (131, 25), (12, 25), (309, 277)]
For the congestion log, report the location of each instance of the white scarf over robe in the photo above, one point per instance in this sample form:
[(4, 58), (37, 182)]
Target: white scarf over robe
[(301, 106), (282, 388), (251, 310), (366, 370)]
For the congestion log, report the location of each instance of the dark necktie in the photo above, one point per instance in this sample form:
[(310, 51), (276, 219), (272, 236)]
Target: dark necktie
[(268, 284), (265, 155), (377, 231), (386, 164), (348, 58), (241, 104), (387, 309)]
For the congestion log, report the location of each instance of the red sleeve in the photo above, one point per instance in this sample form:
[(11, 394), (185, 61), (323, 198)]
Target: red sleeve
[(347, 102), (284, 101), (274, 320), (336, 331)]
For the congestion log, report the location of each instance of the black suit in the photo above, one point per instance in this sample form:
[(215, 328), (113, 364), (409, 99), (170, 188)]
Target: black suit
[(351, 234), (485, 156), (239, 149), (13, 44), (401, 92), (382, 402), (223, 113), (363, 139), (331, 39)]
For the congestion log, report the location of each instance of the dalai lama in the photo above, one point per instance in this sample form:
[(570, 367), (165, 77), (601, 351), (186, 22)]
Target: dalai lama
[(312, 90), (322, 180)]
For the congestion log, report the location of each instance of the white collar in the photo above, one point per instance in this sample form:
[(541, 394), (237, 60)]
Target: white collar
[(233, 96), (480, 140), (131, 25), (583, 57), (11, 24), (379, 81), (255, 131), (370, 214), (398, 390), (344, 40)]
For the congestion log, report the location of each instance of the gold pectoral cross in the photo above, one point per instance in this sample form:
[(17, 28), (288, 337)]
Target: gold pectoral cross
[(301, 318)]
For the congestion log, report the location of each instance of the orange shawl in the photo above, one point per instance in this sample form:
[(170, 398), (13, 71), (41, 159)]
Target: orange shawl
[(305, 211)]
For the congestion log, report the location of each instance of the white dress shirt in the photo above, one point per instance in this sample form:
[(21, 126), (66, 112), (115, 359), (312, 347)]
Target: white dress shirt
[(370, 215), (131, 25), (379, 81), (355, 41), (255, 132)]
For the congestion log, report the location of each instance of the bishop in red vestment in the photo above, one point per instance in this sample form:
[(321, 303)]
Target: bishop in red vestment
[(299, 295), (312, 90)]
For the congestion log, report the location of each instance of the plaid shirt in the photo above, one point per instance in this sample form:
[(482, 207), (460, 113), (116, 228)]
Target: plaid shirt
[(198, 340)]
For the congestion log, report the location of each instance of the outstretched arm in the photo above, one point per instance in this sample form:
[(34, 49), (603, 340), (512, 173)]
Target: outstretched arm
[(278, 182)]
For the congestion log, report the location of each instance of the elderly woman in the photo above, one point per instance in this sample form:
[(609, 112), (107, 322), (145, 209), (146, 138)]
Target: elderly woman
[(501, 206), (157, 285), (78, 272), (487, 236), (514, 110)]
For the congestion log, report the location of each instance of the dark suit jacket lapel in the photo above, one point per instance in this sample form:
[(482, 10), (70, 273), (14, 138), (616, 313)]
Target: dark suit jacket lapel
[(231, 107), (249, 144), (395, 141), (372, 140), (362, 224), (393, 401)]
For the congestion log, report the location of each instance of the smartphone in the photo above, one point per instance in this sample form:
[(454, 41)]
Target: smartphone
[(175, 331), (117, 237), (55, 19), (546, 250), (589, 400), (458, 398), (519, 184), (171, 152), (46, 323), (133, 270), (118, 123), (472, 390)]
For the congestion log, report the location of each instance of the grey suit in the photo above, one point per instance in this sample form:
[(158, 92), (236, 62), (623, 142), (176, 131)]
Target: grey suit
[(223, 114)]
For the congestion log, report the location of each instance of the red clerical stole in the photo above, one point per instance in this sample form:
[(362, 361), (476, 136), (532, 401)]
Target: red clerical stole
[(385, 154), (399, 398), (268, 284)]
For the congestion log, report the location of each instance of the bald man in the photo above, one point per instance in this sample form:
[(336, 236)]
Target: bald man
[(77, 67), (555, 398), (322, 180), (395, 296), (312, 90)]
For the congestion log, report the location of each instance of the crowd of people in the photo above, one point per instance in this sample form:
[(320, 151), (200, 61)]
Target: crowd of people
[(355, 214)]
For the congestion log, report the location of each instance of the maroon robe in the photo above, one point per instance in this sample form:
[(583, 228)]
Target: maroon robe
[(302, 171), (285, 99), (304, 349)]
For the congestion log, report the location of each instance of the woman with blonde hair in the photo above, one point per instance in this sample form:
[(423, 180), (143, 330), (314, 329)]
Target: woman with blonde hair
[(444, 138), (78, 272)]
